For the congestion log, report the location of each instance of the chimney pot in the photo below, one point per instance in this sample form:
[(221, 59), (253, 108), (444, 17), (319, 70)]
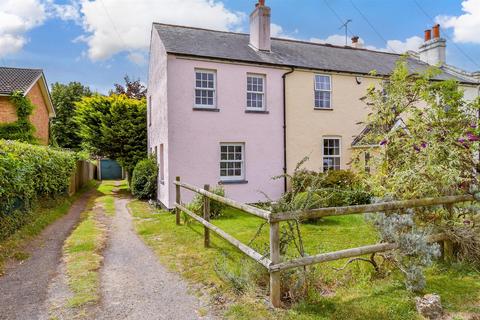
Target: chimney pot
[(436, 31), (261, 2), (355, 42), (428, 35)]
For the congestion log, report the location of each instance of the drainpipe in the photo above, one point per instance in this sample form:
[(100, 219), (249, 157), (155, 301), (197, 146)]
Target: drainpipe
[(284, 77)]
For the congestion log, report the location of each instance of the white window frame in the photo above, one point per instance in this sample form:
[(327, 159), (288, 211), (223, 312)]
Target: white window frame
[(322, 90), (262, 93), (242, 161), (339, 156), (214, 89)]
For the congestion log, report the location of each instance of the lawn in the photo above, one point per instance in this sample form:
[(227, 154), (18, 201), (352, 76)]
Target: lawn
[(353, 293)]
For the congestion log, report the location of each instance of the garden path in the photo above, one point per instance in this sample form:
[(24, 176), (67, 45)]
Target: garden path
[(24, 287), (134, 284)]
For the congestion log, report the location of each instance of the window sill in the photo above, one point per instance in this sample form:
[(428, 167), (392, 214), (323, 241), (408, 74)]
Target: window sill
[(257, 111), (233, 182), (323, 109), (206, 109)]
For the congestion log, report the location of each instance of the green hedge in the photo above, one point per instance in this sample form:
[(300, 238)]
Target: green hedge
[(29, 172), (144, 179)]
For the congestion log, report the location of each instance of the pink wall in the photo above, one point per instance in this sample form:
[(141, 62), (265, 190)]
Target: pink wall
[(194, 137)]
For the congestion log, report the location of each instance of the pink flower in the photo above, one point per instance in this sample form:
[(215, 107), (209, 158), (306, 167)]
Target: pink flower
[(383, 142), (472, 137)]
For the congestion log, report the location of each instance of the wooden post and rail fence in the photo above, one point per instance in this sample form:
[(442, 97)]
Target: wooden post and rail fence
[(274, 263)]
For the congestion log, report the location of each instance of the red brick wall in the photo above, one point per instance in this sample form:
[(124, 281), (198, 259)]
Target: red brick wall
[(7, 111), (39, 117)]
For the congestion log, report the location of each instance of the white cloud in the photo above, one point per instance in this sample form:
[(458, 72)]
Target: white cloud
[(335, 39), (64, 12), (16, 18), (398, 46), (112, 26), (137, 58), (466, 26), (277, 31)]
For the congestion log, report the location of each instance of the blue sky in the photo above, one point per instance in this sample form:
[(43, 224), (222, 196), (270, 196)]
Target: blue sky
[(97, 42)]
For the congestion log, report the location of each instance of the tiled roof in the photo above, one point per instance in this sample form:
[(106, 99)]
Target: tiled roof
[(198, 42), (17, 79)]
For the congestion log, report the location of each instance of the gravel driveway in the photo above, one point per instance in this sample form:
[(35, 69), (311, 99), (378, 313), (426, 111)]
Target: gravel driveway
[(24, 287), (134, 284)]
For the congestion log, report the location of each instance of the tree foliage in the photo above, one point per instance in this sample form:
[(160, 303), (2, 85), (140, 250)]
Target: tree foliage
[(114, 127), (428, 142), (132, 89), (21, 129), (65, 131), (432, 154)]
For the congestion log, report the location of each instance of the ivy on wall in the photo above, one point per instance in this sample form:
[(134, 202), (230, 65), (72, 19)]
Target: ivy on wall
[(21, 129)]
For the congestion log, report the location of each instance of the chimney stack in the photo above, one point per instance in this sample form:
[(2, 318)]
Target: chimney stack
[(355, 42), (260, 27), (433, 50)]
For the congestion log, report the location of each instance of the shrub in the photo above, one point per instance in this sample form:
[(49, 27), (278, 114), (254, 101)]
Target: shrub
[(216, 208), (144, 179), (28, 172), (334, 188)]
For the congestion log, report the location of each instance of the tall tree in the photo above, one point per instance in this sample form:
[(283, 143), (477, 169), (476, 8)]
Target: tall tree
[(64, 129), (114, 127), (132, 89)]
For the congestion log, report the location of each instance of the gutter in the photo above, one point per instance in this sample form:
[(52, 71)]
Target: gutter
[(284, 77)]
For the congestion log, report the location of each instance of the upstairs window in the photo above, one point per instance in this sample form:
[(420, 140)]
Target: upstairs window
[(205, 86), (323, 91), (255, 92), (232, 165), (331, 154)]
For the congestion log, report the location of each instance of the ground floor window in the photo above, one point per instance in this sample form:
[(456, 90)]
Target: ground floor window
[(232, 165), (161, 163), (331, 153)]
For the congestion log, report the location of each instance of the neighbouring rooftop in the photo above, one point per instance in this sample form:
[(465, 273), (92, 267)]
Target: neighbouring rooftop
[(190, 41), (17, 79)]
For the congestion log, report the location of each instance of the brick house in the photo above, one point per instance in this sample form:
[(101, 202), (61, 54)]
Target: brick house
[(34, 86)]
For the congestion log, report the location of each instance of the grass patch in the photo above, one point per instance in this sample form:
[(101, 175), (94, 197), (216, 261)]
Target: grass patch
[(109, 188), (83, 256), (354, 293), (44, 213)]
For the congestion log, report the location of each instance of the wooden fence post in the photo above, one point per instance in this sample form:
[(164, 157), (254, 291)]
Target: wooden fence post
[(177, 200), (275, 258), (206, 216), (448, 249)]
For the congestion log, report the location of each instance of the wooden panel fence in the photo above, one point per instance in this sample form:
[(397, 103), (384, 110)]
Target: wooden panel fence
[(83, 173), (274, 263)]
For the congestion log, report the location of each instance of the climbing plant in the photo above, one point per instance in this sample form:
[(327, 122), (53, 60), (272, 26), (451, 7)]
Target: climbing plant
[(21, 129)]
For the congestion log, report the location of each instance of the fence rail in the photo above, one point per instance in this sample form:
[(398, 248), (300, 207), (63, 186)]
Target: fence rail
[(274, 263)]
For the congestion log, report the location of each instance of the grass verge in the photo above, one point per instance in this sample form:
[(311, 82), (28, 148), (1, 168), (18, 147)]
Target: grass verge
[(353, 293), (83, 255), (44, 213)]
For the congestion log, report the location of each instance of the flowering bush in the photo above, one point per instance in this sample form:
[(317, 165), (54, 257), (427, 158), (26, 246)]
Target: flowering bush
[(428, 137)]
